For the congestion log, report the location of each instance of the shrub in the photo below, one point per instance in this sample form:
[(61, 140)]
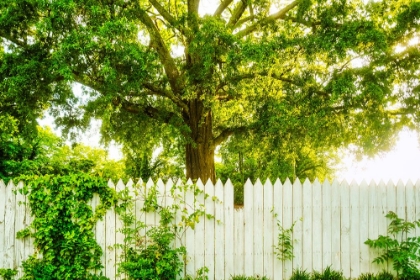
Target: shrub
[(402, 250), (327, 274), (299, 274)]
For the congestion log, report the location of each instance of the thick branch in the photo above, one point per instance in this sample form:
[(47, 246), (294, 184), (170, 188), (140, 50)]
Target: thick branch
[(167, 16), (222, 7), (279, 15), (170, 95), (150, 111), (237, 14), (193, 7), (224, 135), (159, 45)]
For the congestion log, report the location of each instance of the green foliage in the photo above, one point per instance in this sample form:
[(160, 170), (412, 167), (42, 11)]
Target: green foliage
[(7, 274), (48, 154), (299, 274), (62, 226), (378, 276), (149, 251), (284, 247), (327, 274), (398, 247)]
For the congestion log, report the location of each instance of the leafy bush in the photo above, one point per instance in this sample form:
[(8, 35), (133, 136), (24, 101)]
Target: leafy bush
[(152, 256), (384, 275), (156, 259), (397, 247), (327, 274), (299, 274)]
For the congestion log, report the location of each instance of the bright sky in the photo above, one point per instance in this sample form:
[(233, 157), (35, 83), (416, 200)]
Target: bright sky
[(402, 162)]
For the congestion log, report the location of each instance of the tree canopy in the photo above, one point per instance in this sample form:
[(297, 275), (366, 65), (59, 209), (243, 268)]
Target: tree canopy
[(325, 72)]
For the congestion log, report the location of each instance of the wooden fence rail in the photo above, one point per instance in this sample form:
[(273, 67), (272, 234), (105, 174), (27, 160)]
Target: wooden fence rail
[(332, 222)]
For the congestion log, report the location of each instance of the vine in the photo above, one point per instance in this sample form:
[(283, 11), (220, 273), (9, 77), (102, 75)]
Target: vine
[(65, 247), (285, 243), (149, 251)]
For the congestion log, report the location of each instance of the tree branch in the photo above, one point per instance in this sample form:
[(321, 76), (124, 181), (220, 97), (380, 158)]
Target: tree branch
[(224, 135), (279, 15), (168, 94), (167, 16), (163, 52), (193, 7), (222, 7), (237, 14), (150, 111)]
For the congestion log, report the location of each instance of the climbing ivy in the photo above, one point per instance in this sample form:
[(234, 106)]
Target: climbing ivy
[(148, 250), (64, 242)]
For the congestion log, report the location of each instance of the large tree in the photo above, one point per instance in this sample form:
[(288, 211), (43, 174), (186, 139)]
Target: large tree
[(334, 71)]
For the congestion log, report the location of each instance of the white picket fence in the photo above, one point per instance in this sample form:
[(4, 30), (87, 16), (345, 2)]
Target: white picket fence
[(333, 221)]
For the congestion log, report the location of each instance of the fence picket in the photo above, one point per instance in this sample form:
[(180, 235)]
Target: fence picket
[(258, 229), (3, 190), (326, 227), (268, 208)]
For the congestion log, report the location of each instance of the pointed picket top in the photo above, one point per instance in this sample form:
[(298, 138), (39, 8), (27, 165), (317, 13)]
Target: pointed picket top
[(139, 182), (417, 184), (189, 182), (111, 184), (326, 182), (363, 183), (248, 183), (307, 183), (218, 191), (130, 183), (372, 183), (160, 184), (150, 183), (409, 183), (258, 183), (209, 182), (11, 184), (199, 183), (390, 183), (268, 182), (169, 183), (400, 184), (220, 181), (297, 183), (229, 184), (120, 185), (381, 183), (2, 184), (277, 182), (287, 182), (131, 187), (178, 182)]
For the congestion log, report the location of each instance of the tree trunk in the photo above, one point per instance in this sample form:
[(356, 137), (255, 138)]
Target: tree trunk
[(200, 150)]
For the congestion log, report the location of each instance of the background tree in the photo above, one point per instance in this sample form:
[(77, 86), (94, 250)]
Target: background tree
[(157, 68), (48, 154)]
